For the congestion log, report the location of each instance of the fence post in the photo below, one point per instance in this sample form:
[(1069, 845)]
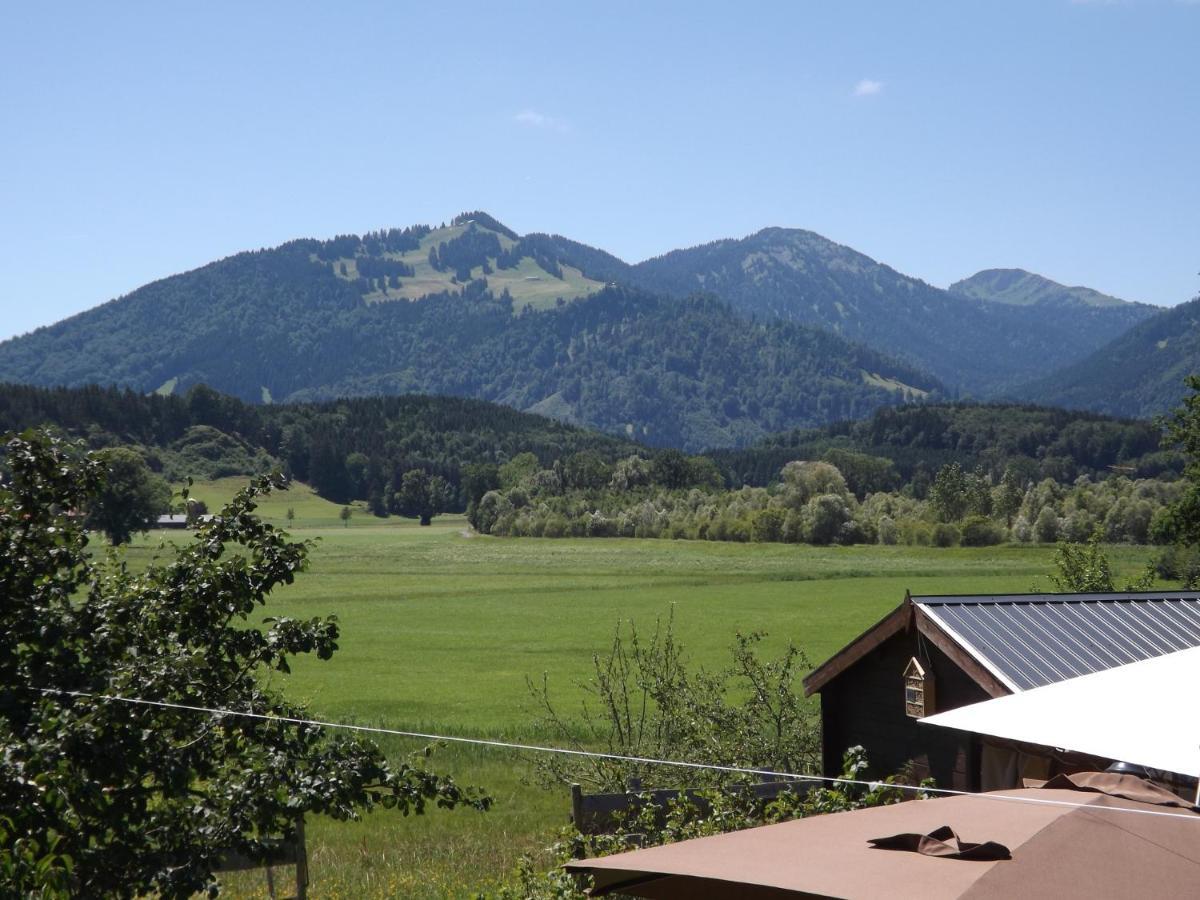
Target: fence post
[(577, 807)]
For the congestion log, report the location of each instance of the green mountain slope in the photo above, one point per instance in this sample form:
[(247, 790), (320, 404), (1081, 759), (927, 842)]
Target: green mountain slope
[(800, 276), (538, 322), (1020, 288), (683, 373), (1139, 374), (320, 319)]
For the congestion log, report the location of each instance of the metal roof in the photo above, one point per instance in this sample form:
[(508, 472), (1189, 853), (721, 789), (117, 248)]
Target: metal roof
[(1030, 640)]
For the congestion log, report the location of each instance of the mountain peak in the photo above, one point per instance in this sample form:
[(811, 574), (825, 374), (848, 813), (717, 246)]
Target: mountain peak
[(1017, 287), (482, 219)]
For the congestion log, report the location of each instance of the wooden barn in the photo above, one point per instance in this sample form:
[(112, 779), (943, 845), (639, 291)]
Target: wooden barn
[(932, 654)]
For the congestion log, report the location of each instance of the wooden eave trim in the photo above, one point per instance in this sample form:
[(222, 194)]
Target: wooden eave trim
[(959, 656), (893, 623)]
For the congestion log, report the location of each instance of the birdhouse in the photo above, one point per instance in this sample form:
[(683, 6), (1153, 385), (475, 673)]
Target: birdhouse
[(919, 695)]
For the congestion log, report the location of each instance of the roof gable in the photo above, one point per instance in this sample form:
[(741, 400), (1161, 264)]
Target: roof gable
[(1012, 642)]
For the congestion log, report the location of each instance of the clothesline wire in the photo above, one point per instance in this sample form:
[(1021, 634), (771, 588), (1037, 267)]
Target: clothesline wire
[(602, 755)]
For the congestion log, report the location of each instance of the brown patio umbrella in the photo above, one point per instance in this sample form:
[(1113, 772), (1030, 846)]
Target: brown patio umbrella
[(1008, 849)]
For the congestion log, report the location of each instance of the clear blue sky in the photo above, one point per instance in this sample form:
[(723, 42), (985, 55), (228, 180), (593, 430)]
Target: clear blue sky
[(139, 140)]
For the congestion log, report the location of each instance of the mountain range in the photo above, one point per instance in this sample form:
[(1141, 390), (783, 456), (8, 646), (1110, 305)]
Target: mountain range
[(1140, 374), (710, 346)]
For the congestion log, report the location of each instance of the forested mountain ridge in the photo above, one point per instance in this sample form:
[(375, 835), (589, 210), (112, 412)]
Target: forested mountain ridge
[(801, 276), (1140, 374), (680, 373), (1020, 288), (284, 323), (538, 322)]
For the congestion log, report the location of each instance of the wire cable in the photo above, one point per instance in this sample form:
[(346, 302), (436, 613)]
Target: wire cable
[(616, 757)]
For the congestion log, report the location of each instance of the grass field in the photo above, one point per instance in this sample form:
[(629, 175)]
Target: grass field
[(440, 630)]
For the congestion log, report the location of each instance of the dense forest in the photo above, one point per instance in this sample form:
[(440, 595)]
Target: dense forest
[(1140, 373), (976, 346), (1039, 442), (546, 324), (348, 449), (281, 325)]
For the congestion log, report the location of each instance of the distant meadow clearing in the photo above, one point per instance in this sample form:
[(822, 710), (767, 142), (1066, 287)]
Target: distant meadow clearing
[(440, 629)]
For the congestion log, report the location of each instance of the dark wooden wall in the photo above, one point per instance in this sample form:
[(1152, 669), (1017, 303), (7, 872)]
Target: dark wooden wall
[(865, 705)]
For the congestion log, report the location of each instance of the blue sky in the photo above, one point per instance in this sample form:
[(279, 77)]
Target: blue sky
[(941, 138)]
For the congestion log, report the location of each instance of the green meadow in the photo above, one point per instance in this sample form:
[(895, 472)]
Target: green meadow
[(528, 283), (440, 629)]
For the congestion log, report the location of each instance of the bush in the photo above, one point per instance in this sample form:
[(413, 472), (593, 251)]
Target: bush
[(888, 532), (1045, 528), (493, 506), (1181, 564), (980, 531), (946, 535), (916, 533), (768, 524), (598, 525), (824, 517), (1022, 530), (645, 700)]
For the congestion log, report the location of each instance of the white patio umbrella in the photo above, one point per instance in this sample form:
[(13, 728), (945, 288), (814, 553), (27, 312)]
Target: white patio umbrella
[(1144, 713)]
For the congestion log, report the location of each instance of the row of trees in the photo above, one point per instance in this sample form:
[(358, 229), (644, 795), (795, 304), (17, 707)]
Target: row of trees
[(812, 503)]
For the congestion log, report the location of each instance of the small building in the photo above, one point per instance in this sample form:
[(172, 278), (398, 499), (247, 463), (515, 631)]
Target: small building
[(933, 654)]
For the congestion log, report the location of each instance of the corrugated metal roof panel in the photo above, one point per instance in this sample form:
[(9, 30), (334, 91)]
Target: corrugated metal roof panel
[(1028, 640)]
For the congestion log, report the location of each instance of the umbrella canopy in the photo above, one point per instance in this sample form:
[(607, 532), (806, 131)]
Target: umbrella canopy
[(1140, 713), (1079, 844)]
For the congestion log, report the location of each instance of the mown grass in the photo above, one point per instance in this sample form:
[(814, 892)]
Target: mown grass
[(440, 631)]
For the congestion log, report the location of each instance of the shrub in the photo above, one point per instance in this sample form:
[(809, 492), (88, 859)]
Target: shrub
[(493, 506), (1177, 563), (946, 535), (793, 527), (980, 531), (1045, 529), (888, 532), (915, 532), (598, 525), (824, 518), (768, 524), (1022, 530)]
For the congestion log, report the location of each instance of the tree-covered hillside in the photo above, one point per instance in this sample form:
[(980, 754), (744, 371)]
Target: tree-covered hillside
[(346, 449), (543, 323), (1041, 442), (679, 373), (800, 276), (1139, 374), (282, 324)]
